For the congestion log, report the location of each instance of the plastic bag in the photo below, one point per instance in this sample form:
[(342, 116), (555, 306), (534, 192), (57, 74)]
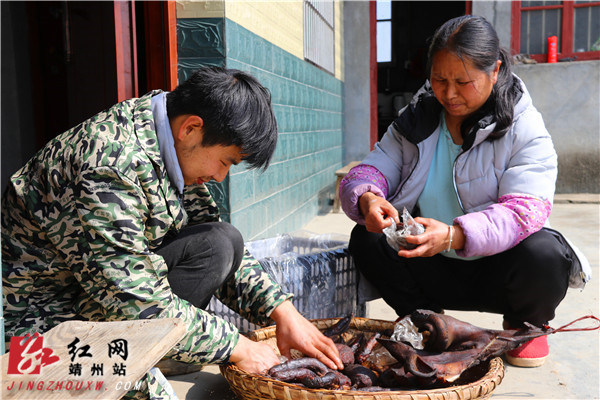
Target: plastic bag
[(406, 331), (395, 235), (304, 264)]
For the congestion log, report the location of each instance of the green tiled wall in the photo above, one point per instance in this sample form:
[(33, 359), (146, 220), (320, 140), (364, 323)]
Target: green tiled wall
[(200, 42), (308, 106)]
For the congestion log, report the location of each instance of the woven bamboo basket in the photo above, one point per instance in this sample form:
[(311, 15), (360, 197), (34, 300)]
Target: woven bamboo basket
[(257, 387)]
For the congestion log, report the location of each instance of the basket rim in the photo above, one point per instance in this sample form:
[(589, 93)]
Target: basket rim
[(356, 323), (494, 373)]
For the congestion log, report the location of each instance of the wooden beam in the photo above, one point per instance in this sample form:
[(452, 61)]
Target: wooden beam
[(125, 49), (171, 44), (161, 44), (515, 27), (374, 134)]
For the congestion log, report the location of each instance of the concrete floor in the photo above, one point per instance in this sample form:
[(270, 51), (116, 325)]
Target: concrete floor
[(571, 372)]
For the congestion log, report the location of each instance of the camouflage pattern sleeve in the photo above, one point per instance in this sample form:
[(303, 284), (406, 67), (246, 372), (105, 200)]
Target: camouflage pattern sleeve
[(124, 277), (199, 205), (251, 292), (152, 386)]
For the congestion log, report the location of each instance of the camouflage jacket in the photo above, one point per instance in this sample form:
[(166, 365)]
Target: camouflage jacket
[(81, 221)]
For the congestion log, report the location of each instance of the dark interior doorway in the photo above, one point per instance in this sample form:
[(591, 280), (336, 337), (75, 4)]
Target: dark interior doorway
[(58, 69), (413, 23), (64, 61), (72, 48)]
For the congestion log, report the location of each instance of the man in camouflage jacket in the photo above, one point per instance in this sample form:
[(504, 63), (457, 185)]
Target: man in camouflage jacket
[(82, 222)]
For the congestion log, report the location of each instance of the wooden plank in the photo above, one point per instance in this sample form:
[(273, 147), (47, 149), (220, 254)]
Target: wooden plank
[(346, 168), (125, 51), (171, 44), (340, 174), (161, 44), (87, 360)]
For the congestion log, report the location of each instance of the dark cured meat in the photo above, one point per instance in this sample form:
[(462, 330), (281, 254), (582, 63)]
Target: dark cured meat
[(344, 381), (358, 342), (397, 376), (448, 365), (464, 346), (304, 362), (412, 360), (346, 354), (364, 351), (443, 367), (328, 381), (339, 327), (360, 376), (448, 333), (293, 375)]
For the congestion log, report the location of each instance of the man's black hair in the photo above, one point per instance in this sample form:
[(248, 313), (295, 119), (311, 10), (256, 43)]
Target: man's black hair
[(236, 110)]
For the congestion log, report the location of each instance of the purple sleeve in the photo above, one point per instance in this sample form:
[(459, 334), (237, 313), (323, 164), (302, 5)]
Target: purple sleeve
[(503, 225), (359, 180)]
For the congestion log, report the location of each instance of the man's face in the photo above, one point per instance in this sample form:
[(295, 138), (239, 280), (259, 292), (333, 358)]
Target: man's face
[(200, 164)]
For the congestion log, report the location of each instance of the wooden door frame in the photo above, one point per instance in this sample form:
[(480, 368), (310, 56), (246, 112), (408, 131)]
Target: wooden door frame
[(160, 24), (125, 49), (373, 137), (161, 44)]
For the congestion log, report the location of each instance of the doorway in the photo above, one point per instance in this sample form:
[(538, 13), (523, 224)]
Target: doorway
[(65, 61), (413, 23)]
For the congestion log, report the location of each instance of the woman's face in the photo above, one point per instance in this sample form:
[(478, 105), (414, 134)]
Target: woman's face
[(459, 86)]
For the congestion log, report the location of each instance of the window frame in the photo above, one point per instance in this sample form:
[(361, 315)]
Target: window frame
[(567, 30), (392, 26)]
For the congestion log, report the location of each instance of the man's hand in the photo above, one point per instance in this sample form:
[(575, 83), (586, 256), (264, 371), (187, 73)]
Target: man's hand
[(377, 212), (253, 357), (293, 331)]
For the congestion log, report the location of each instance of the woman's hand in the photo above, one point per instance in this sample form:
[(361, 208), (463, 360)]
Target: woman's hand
[(377, 212), (253, 357), (434, 240), (293, 331)]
